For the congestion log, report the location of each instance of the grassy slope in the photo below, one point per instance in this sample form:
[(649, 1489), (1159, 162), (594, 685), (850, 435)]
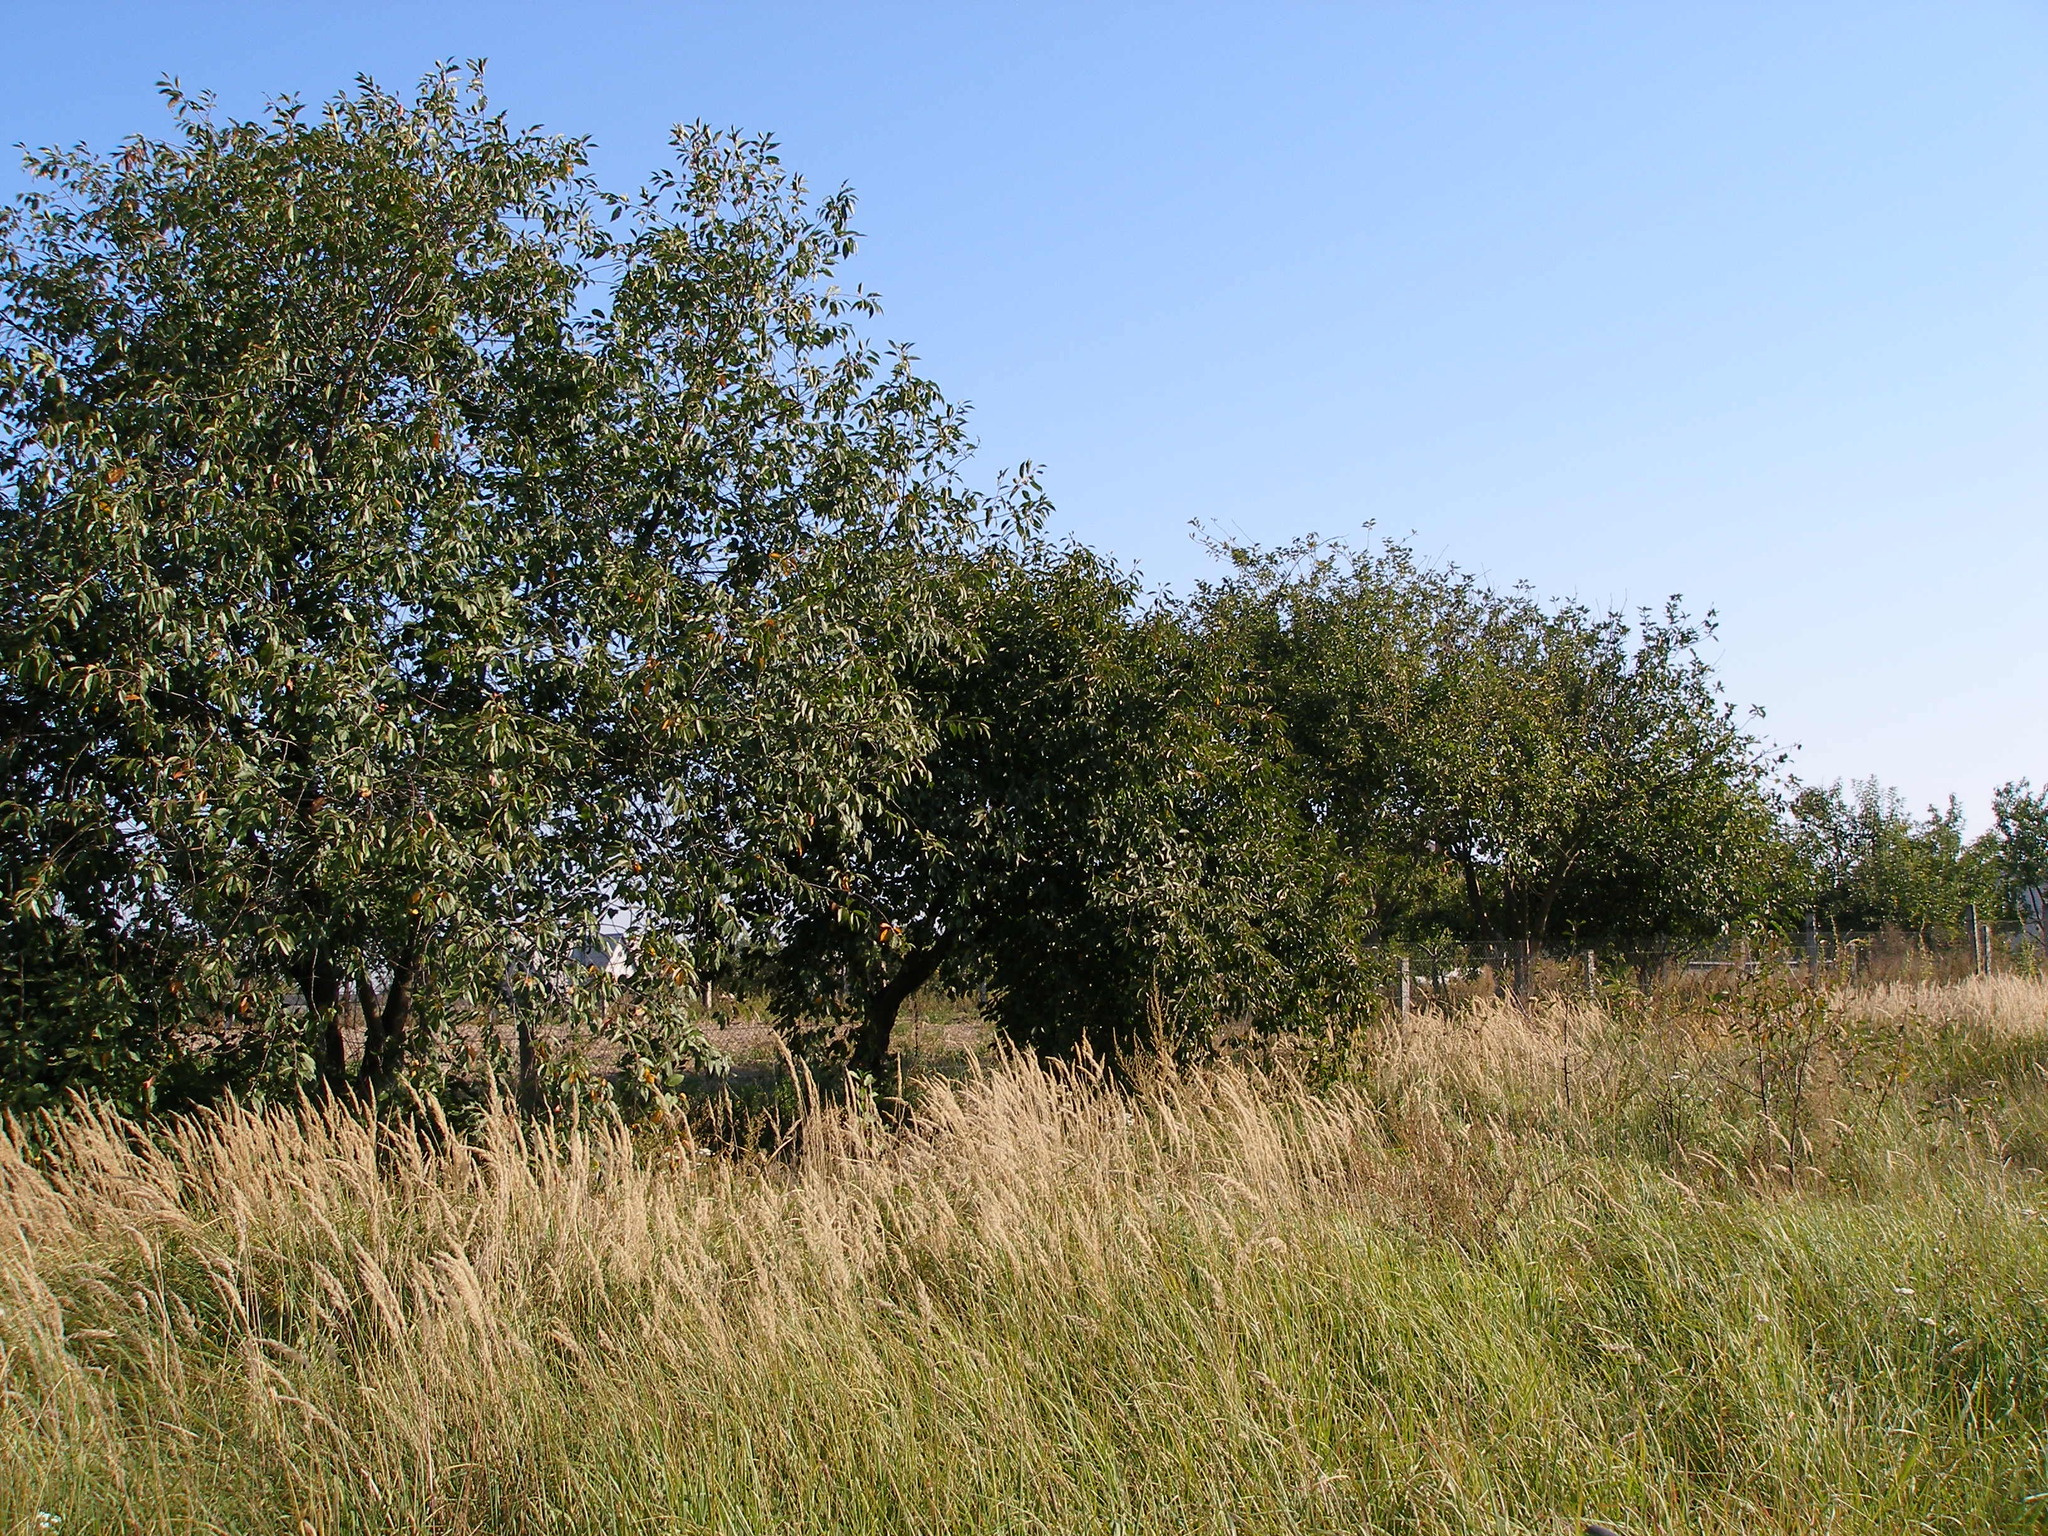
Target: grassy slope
[(1406, 1292)]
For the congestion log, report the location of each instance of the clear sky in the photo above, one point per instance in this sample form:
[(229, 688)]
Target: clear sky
[(1742, 302)]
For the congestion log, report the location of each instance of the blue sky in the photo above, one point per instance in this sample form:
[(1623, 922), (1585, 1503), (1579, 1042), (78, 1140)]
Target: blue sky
[(1741, 302)]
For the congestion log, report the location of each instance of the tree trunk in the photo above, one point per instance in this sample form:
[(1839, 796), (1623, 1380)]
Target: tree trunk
[(395, 1019), (320, 985), (871, 1042), (526, 1085), (529, 1067), (1525, 955), (373, 1023), (1475, 898)]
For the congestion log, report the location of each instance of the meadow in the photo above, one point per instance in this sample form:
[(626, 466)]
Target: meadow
[(1729, 1258)]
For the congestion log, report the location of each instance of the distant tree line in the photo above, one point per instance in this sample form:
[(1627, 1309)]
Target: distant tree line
[(418, 558), (1862, 861)]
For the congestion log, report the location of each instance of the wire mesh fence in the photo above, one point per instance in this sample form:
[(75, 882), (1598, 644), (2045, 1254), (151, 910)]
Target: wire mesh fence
[(1445, 974)]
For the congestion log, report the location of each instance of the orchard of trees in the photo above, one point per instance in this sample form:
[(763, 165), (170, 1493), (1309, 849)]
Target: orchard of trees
[(418, 558)]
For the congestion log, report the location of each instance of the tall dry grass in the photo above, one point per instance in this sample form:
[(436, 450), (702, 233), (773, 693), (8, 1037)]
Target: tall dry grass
[(1397, 1285)]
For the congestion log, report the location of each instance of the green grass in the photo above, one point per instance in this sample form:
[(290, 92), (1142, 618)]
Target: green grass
[(1395, 1287)]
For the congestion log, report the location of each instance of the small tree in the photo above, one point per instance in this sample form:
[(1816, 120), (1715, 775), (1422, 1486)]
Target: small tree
[(1866, 862), (1097, 840), (414, 556), (2020, 830), (1015, 738), (1573, 772)]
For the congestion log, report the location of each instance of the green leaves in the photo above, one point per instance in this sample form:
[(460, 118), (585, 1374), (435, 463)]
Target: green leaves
[(1095, 842), (415, 556), (1859, 860), (405, 563), (1548, 769)]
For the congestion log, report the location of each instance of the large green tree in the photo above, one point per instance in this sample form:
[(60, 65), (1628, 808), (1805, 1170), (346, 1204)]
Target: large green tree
[(1573, 773), (413, 555), (1098, 842)]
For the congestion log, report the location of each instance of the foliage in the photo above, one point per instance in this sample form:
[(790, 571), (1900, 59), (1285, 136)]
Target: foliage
[(1165, 889), (416, 559), (2020, 817), (1094, 844), (1865, 862), (86, 1007), (414, 556), (1555, 772)]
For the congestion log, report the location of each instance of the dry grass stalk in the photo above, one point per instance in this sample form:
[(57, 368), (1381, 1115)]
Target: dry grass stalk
[(1418, 1297)]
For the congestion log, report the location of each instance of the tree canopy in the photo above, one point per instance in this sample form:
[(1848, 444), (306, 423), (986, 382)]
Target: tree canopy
[(1099, 842), (1542, 771), (416, 558), (1861, 860), (409, 545)]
